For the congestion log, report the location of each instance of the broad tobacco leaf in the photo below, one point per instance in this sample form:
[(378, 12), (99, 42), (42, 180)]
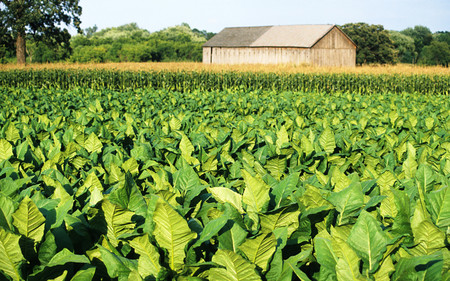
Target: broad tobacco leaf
[(93, 144), (226, 195), (260, 249), (118, 221), (10, 254), (236, 267), (256, 193), (347, 201), (172, 233), (148, 262), (28, 220), (5, 150), (327, 140), (368, 240)]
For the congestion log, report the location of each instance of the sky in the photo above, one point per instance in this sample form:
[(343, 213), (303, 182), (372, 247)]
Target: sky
[(213, 16)]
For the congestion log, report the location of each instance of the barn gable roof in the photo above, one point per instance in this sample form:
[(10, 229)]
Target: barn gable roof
[(303, 36)]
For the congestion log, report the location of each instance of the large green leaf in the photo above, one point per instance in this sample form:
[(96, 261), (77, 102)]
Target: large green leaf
[(256, 193), (347, 266), (10, 254), (47, 249), (282, 137), (187, 181), (326, 257), (236, 267), (427, 235), (93, 144), (347, 201), (410, 164), (65, 256), (116, 265), (129, 197), (290, 264), (313, 200), (211, 229), (368, 240), (187, 149), (148, 262), (386, 268), (12, 133), (339, 180), (28, 220), (6, 211), (172, 233), (427, 267), (118, 221), (226, 195), (285, 217), (231, 236), (276, 166), (5, 150), (259, 250), (402, 221), (84, 274), (439, 206), (327, 140), (284, 189)]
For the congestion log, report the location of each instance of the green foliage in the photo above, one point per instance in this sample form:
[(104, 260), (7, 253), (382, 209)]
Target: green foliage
[(236, 184), (404, 45), (373, 42), (40, 19), (422, 37), (437, 53), (129, 43)]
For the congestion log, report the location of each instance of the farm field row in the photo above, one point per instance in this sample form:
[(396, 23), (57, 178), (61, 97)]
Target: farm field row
[(223, 185), (195, 66), (188, 81)]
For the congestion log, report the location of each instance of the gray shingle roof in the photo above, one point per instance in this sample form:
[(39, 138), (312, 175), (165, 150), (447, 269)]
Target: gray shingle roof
[(270, 36)]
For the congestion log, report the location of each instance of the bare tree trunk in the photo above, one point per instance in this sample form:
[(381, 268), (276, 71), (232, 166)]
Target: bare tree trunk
[(21, 48)]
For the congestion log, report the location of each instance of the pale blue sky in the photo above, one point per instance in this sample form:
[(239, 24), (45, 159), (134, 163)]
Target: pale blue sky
[(213, 15)]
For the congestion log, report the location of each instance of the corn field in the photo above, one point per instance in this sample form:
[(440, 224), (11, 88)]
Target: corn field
[(187, 81)]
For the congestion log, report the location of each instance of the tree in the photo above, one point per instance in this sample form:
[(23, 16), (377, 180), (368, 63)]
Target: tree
[(442, 36), (6, 40), (406, 50), (422, 37), (374, 44), (41, 19), (437, 53), (131, 43)]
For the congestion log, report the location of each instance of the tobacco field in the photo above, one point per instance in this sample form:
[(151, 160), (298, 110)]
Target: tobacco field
[(247, 181)]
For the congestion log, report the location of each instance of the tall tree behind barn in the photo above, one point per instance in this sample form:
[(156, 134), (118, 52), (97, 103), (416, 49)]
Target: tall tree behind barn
[(319, 45)]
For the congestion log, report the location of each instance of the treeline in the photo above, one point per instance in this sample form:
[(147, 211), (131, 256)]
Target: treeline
[(129, 43), (417, 45)]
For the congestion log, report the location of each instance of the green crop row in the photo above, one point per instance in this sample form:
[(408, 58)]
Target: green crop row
[(207, 81), (226, 185)]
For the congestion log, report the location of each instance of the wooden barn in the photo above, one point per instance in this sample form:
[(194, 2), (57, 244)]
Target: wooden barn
[(319, 45)]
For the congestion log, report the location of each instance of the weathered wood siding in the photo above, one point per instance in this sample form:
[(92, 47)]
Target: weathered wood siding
[(333, 57), (334, 39), (207, 55), (260, 55), (334, 49)]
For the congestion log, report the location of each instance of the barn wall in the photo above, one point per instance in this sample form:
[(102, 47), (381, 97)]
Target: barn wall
[(334, 39), (207, 55), (262, 55), (334, 49), (333, 57)]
